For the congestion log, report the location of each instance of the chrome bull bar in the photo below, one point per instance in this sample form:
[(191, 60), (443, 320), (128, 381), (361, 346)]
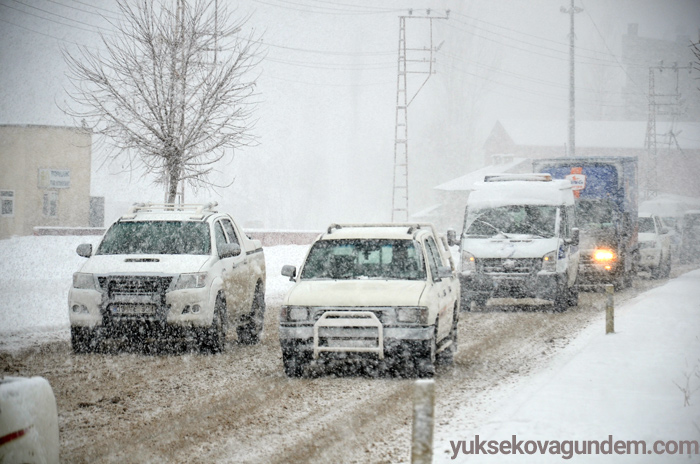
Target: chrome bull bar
[(349, 331)]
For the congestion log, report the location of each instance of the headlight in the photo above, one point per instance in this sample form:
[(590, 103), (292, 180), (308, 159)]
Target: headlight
[(417, 315), (195, 280), (468, 261), (549, 262), (294, 313), (84, 281), (603, 255)]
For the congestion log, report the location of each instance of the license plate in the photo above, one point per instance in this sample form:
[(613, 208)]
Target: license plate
[(132, 309)]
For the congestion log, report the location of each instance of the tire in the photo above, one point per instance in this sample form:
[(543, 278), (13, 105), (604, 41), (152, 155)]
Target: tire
[(561, 299), (213, 339), (666, 272), (465, 304), (572, 295), (446, 356), (252, 325), (294, 363), (83, 339), (424, 358)]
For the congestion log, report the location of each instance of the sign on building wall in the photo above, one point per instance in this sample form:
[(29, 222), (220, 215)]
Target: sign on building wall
[(54, 178)]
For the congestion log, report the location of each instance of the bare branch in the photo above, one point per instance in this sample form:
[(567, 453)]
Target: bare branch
[(170, 90)]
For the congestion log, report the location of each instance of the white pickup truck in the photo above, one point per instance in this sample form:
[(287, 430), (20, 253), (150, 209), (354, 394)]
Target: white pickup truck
[(386, 291), (169, 270)]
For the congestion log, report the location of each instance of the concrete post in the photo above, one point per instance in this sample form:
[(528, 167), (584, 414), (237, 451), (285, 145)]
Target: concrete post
[(423, 417), (609, 310)]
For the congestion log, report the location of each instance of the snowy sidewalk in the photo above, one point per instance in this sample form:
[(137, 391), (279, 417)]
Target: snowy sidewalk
[(628, 384)]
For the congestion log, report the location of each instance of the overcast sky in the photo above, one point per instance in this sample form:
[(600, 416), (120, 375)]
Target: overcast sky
[(328, 91)]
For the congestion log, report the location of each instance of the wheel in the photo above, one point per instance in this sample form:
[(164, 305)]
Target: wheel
[(562, 298), (214, 338), (294, 362), (666, 273), (424, 358), (465, 304), (83, 339), (252, 324), (572, 297), (446, 356)]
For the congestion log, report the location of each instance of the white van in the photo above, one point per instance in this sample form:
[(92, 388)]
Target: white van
[(519, 241)]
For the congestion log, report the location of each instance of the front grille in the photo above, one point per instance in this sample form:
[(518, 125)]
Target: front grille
[(509, 265), (134, 285)]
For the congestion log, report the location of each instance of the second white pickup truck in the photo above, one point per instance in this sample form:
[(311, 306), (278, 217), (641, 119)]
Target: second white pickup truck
[(387, 291)]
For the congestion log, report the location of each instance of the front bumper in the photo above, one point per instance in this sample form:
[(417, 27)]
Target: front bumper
[(176, 309), (480, 286)]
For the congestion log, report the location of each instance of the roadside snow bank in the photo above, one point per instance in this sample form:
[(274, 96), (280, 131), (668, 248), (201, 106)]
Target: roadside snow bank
[(630, 385)]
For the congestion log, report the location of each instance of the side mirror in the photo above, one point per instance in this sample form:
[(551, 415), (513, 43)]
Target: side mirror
[(84, 250), (575, 237), (444, 272), (664, 230), (289, 271), (452, 237), (228, 250)]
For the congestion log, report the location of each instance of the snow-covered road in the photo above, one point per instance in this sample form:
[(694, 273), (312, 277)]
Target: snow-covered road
[(125, 406)]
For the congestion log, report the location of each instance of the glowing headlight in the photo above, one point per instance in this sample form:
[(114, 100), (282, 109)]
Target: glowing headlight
[(549, 262), (294, 313), (195, 280), (603, 255), (468, 261), (83, 281), (417, 315)]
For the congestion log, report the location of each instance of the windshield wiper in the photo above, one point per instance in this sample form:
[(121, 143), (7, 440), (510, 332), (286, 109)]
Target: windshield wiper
[(500, 232)]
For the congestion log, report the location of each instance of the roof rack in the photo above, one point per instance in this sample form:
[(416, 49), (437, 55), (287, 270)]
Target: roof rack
[(528, 177), (412, 227), (197, 209)]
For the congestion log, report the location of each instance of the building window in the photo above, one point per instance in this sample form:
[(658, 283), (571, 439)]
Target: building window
[(7, 203), (51, 204)]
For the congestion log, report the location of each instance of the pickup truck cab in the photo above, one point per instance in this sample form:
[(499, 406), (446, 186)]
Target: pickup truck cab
[(519, 241), (169, 270), (654, 246), (388, 291)]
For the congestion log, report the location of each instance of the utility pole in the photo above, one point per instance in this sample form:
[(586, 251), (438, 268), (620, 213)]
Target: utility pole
[(661, 104), (571, 147), (399, 200)]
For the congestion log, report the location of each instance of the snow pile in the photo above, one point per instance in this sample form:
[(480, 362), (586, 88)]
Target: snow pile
[(631, 385)]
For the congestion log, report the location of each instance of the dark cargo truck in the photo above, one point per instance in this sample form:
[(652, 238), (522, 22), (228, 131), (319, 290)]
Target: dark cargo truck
[(606, 208)]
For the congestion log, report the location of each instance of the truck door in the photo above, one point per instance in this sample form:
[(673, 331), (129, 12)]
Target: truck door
[(247, 278), (570, 251), (232, 273)]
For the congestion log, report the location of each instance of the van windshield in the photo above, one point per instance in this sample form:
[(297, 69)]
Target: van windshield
[(537, 221), (364, 259), (156, 238)]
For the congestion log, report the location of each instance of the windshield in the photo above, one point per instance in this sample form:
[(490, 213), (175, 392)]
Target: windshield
[(533, 220), (591, 214), (368, 259), (646, 225), (156, 238)]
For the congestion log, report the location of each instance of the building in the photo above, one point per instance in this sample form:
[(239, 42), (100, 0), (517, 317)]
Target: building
[(677, 170), (44, 178)]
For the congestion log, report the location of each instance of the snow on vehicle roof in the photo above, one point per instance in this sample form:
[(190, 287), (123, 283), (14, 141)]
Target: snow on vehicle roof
[(374, 231), (517, 192), (169, 212)]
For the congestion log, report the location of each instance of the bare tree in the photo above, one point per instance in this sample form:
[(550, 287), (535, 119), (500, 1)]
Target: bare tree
[(695, 48), (168, 88)]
